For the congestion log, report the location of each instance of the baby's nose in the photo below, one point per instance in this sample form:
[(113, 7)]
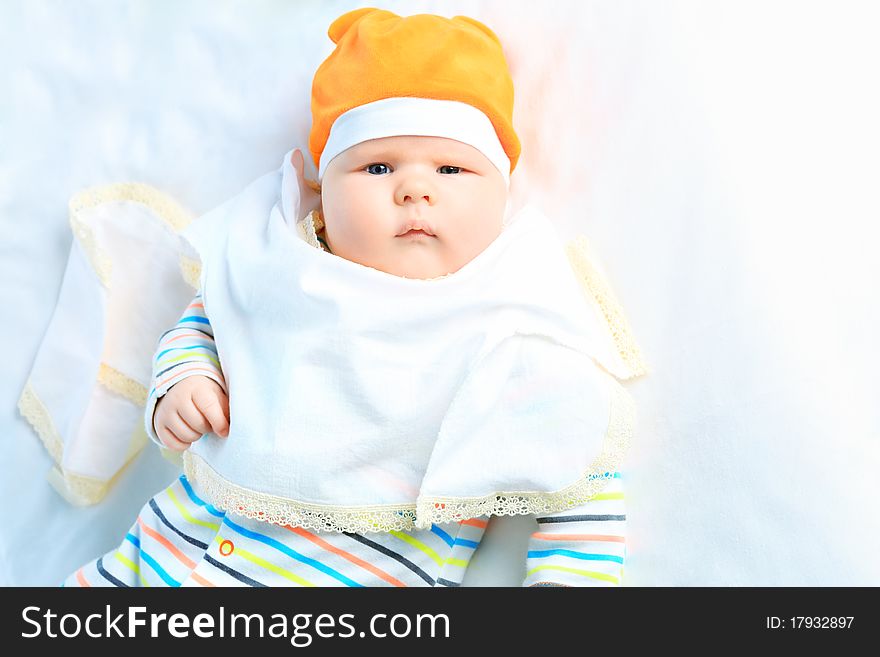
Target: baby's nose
[(414, 191)]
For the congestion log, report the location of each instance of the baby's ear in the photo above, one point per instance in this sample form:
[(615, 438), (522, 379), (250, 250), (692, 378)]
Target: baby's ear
[(309, 191), (296, 159)]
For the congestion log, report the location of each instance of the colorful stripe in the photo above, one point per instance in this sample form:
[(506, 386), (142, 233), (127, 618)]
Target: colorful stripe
[(556, 562), (574, 554), (604, 577), (267, 565), (186, 350), (144, 556), (396, 556), (378, 572), (290, 552)]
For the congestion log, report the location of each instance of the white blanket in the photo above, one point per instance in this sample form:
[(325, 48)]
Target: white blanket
[(721, 159)]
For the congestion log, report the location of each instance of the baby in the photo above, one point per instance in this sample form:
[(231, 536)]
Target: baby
[(386, 204), (365, 377)]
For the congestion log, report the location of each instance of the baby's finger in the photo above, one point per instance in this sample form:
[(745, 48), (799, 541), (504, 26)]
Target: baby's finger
[(182, 429), (193, 419), (170, 440), (214, 406)]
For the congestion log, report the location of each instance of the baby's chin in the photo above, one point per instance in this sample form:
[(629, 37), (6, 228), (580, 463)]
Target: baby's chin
[(415, 265), (424, 273), (419, 258), (429, 260)]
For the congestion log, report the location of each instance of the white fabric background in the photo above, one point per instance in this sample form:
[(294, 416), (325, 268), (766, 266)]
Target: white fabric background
[(721, 157)]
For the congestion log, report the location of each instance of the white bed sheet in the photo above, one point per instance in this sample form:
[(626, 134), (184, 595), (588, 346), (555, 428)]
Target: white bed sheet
[(721, 158)]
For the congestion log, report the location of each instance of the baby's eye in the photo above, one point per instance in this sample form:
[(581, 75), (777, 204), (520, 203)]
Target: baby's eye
[(377, 169), (446, 168)]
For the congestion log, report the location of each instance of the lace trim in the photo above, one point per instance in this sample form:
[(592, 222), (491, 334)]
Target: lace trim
[(35, 412), (549, 584), (310, 227), (595, 284), (79, 490), (164, 206), (114, 380), (618, 436), (191, 271), (384, 518), (167, 208), (314, 185), (283, 511)]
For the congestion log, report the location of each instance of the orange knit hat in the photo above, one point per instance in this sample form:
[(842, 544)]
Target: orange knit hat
[(380, 55)]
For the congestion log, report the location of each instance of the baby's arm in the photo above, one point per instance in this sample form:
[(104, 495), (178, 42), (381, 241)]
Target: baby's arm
[(581, 546), (186, 350)]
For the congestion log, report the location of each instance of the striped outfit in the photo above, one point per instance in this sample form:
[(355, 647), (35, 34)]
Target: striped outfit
[(179, 539)]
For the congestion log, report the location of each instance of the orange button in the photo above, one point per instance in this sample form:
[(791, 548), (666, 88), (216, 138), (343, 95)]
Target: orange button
[(226, 548)]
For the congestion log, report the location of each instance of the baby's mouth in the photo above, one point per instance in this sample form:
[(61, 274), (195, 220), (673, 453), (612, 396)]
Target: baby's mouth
[(417, 234), (415, 226)]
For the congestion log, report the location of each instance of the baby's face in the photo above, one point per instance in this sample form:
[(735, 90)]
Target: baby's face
[(375, 191)]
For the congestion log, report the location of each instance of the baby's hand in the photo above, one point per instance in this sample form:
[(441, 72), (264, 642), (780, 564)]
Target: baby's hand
[(191, 408)]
